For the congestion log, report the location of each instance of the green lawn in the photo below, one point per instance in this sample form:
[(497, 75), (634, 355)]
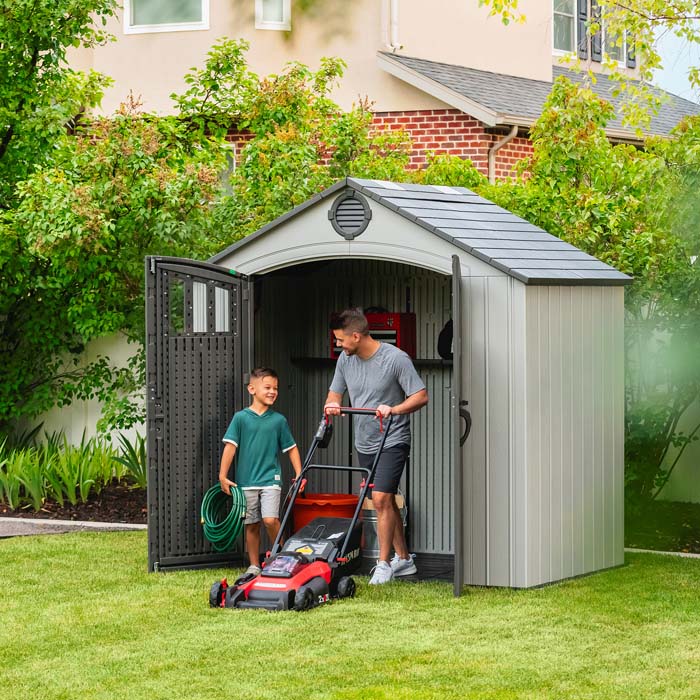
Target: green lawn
[(80, 619)]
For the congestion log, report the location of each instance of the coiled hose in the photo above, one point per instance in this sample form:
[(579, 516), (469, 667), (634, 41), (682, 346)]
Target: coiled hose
[(222, 528)]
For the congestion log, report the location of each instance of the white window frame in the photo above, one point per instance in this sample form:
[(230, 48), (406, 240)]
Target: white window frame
[(574, 34), (171, 27), (284, 26)]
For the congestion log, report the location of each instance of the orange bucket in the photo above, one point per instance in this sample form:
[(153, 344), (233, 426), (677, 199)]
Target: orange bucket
[(322, 505)]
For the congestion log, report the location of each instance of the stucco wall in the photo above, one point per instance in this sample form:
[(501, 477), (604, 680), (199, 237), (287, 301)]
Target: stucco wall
[(153, 65)]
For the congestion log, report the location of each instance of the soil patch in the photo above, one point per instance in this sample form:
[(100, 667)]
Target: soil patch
[(665, 526), (116, 503)]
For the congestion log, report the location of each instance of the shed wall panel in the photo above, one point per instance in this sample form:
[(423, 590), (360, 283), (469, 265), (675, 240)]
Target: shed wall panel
[(498, 431), (518, 421), (575, 388)]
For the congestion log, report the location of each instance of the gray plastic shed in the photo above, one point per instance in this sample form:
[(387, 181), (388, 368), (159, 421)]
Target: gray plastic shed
[(534, 495)]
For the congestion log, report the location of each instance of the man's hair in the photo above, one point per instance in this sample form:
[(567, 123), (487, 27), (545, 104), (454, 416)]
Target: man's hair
[(260, 372), (350, 321)]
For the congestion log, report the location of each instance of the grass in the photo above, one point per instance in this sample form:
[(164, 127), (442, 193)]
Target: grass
[(81, 619)]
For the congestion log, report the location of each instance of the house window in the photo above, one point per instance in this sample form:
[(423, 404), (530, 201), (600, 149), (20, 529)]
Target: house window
[(273, 14), (570, 33), (564, 26), (148, 16), (614, 49)]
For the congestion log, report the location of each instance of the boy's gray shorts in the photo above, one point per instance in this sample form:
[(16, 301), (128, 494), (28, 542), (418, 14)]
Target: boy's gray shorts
[(261, 503)]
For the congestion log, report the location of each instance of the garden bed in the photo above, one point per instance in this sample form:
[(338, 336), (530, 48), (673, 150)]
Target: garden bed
[(116, 503)]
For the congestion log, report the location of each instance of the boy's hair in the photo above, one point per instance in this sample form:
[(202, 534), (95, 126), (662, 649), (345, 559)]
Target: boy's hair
[(350, 321), (260, 372)]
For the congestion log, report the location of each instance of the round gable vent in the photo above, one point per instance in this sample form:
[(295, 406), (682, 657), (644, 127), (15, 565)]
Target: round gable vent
[(350, 214)]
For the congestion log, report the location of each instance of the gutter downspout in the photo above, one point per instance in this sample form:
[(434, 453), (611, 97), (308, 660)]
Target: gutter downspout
[(497, 147), (393, 22)]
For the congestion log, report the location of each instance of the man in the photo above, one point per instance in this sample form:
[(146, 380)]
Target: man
[(378, 375)]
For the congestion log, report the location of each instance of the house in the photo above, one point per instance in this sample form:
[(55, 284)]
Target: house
[(457, 80)]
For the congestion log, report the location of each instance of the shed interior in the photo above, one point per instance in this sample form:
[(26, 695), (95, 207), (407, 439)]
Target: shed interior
[(292, 308)]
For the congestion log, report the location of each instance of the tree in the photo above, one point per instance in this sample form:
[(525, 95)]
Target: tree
[(642, 22), (301, 141), (40, 96), (73, 249)]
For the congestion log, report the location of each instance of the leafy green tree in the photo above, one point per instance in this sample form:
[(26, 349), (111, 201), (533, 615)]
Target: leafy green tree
[(40, 96), (73, 249), (301, 141)]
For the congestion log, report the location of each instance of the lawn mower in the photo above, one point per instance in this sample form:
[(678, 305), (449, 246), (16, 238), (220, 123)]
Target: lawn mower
[(314, 564)]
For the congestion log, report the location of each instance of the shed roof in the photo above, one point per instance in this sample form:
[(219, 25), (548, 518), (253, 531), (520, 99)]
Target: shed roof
[(494, 98), (475, 225)]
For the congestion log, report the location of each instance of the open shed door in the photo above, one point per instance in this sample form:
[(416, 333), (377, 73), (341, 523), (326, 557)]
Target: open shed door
[(459, 430), (198, 345)]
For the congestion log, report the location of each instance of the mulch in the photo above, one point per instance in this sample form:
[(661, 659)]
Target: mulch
[(116, 503)]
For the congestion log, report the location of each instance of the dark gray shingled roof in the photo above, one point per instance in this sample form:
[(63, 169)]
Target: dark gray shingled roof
[(476, 225), (508, 95)]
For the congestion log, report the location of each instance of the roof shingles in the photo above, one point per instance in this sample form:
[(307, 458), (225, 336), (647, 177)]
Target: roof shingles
[(492, 234), (509, 95)]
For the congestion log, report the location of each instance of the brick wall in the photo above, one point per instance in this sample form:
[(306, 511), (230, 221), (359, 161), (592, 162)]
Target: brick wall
[(441, 131), (455, 133)]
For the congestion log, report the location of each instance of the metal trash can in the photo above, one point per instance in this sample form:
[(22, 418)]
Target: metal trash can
[(368, 515)]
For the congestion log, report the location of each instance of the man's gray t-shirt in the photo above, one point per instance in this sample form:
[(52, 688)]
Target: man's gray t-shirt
[(387, 377)]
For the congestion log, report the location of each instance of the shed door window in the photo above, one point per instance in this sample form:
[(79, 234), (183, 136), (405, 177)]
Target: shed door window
[(197, 307), (145, 16)]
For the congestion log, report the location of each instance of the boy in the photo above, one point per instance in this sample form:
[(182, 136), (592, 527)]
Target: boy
[(258, 434)]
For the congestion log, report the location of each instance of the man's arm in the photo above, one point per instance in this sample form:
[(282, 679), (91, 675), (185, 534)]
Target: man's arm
[(226, 460), (332, 405), (412, 403)]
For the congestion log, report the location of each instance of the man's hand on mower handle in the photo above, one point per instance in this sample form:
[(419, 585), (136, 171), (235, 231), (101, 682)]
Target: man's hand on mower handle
[(303, 484), (384, 411), (332, 409), (226, 485)]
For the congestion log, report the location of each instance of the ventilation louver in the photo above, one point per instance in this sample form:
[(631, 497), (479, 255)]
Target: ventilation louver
[(350, 214)]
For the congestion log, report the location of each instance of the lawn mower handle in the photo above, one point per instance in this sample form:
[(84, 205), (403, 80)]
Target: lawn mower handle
[(307, 466)]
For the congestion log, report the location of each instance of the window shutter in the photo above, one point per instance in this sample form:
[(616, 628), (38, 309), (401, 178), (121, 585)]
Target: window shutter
[(631, 57), (582, 30), (597, 38)]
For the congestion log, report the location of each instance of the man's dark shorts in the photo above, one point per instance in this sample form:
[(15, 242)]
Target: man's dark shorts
[(391, 465)]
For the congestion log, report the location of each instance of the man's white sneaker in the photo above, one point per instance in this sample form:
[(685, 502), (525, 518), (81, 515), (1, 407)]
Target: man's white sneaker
[(252, 569), (403, 567), (382, 573)]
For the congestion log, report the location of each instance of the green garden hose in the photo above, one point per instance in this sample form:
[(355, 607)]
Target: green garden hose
[(222, 528)]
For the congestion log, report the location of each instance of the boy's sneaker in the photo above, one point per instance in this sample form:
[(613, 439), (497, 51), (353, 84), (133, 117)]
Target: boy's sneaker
[(382, 573), (403, 567), (252, 569)]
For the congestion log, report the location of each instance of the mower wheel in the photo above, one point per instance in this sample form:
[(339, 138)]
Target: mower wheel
[(304, 599), (216, 595), (346, 587)]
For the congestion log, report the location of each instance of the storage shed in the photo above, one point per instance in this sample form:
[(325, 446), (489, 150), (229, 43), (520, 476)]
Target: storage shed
[(532, 496)]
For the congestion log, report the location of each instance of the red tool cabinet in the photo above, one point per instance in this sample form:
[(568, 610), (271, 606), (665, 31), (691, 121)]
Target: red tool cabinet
[(393, 328)]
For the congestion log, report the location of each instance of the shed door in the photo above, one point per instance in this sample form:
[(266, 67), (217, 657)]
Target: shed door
[(459, 430), (198, 346)]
